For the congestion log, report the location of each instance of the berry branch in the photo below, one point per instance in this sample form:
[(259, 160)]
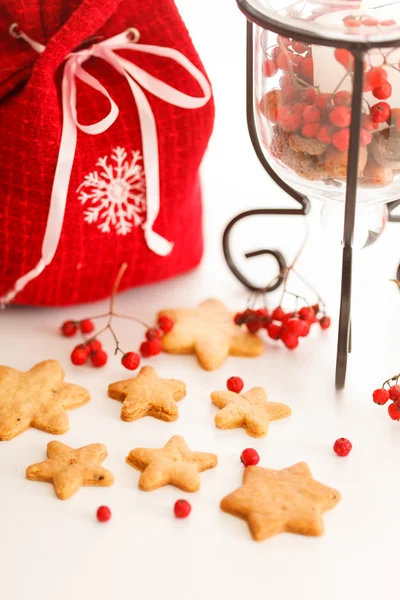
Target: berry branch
[(92, 347)]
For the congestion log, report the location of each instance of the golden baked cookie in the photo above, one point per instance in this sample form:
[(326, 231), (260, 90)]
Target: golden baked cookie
[(270, 103), (298, 143), (147, 395), (173, 464), (68, 469), (249, 410), (208, 331), (37, 398), (385, 148), (305, 165), (336, 162), (273, 502)]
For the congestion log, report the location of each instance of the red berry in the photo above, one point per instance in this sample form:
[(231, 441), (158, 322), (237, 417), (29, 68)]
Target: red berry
[(325, 322), (369, 124), (311, 114), (324, 134), (342, 98), (145, 349), (323, 100), (340, 116), (153, 333), (284, 41), (310, 130), (239, 318), (182, 509), (342, 447), (253, 326), (306, 313), (306, 329), (285, 81), (99, 358), (131, 360), (289, 93), (103, 514), (299, 47), (345, 58), (284, 60), (278, 314), (165, 323), (249, 457), (291, 341), (394, 411), (69, 328), (307, 67), (376, 77), (294, 326), (155, 346), (380, 112), (369, 21), (87, 326), (380, 396), (235, 384), (387, 23), (94, 346), (309, 96), (365, 137), (394, 392), (274, 331), (79, 355), (341, 139), (383, 91), (263, 316), (269, 68)]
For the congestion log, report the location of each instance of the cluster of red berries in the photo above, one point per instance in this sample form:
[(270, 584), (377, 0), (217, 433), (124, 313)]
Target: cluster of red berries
[(92, 349), (280, 325), (383, 394)]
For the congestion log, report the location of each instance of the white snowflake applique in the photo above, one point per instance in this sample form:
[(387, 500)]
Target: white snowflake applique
[(116, 192)]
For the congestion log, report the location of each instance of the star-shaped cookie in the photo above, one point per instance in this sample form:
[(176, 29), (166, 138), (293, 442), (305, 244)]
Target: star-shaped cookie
[(274, 502), (68, 469), (249, 410), (208, 331), (174, 464), (148, 395), (37, 398)]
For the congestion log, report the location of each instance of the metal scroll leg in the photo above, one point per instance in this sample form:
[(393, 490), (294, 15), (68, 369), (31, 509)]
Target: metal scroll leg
[(344, 340)]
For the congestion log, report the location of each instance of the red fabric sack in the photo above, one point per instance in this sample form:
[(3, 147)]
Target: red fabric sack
[(96, 154)]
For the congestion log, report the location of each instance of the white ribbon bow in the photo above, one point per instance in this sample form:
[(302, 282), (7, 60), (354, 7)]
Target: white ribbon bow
[(137, 79)]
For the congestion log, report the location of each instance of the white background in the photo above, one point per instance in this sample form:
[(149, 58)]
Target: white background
[(57, 550)]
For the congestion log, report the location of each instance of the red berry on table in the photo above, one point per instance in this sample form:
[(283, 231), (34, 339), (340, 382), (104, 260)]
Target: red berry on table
[(235, 384), (394, 392), (69, 328), (145, 349), (278, 314), (131, 360), (376, 77), (325, 322), (103, 514), (94, 346), (383, 92), (155, 346), (342, 98), (99, 358), (342, 447), (249, 457), (380, 112), (274, 331), (290, 341), (380, 396), (307, 67), (153, 333), (365, 137), (341, 139), (324, 134), (310, 130), (253, 326), (306, 326), (294, 326), (311, 114), (165, 323), (369, 124), (394, 411), (306, 313), (86, 326), (79, 356), (345, 58), (182, 509), (269, 68), (340, 116)]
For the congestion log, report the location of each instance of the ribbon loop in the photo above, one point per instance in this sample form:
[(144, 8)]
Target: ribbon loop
[(137, 79)]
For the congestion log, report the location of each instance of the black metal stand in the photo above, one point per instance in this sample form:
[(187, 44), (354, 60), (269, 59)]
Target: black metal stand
[(358, 50)]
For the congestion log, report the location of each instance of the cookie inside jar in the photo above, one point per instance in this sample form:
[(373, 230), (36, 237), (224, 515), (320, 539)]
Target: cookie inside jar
[(304, 108)]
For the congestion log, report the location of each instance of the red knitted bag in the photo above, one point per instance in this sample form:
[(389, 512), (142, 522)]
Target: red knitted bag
[(105, 114)]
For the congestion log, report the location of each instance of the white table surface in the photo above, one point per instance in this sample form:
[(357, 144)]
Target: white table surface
[(53, 549)]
